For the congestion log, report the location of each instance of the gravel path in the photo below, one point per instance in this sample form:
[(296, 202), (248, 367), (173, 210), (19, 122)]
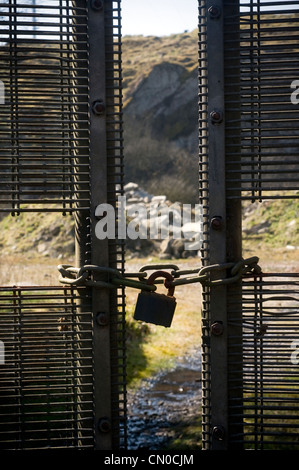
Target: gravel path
[(163, 405)]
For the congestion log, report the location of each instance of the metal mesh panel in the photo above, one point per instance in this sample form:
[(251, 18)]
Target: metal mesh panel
[(52, 159), (46, 383), (250, 384), (259, 87), (115, 181), (269, 402), (262, 163), (204, 200), (43, 66)]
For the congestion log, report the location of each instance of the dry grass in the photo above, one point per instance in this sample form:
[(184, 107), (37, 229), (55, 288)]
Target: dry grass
[(163, 346), (141, 54), (160, 347), (21, 271)]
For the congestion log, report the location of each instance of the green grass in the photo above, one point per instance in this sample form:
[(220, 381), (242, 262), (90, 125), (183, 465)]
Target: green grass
[(23, 234), (186, 435), (152, 348), (282, 216)]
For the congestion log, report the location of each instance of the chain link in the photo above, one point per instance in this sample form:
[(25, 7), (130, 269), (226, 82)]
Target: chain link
[(89, 275)]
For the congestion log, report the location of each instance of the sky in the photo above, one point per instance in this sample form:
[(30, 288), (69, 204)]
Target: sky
[(158, 17), (165, 17)]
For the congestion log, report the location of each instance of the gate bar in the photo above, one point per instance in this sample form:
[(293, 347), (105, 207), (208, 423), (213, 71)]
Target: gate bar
[(98, 253), (217, 218), (99, 248)]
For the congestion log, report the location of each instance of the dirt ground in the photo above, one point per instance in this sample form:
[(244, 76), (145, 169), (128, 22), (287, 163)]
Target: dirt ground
[(21, 270)]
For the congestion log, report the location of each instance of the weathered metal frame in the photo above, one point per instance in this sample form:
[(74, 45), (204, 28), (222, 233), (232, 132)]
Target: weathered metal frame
[(217, 223), (93, 175), (99, 248), (105, 137), (238, 370)]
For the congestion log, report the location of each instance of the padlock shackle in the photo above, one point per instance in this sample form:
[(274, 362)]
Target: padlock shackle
[(168, 278)]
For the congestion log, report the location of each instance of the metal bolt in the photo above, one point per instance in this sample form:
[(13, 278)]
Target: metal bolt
[(217, 328), (216, 116), (102, 319), (216, 223), (98, 107), (97, 5), (218, 433), (104, 425), (214, 12)]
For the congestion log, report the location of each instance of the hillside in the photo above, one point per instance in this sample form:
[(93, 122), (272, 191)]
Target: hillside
[(270, 226), (161, 154), (160, 107), (141, 54), (160, 113)]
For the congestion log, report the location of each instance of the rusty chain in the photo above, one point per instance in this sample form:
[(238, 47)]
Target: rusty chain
[(89, 275)]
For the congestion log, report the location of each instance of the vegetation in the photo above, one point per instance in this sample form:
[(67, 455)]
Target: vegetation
[(271, 226), (30, 234), (159, 165), (153, 157), (141, 54), (152, 348)]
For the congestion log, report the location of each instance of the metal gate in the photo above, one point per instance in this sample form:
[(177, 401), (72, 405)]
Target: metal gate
[(63, 381), (249, 151)]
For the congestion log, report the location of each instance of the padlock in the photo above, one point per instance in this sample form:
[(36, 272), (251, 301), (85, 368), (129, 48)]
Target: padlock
[(155, 308)]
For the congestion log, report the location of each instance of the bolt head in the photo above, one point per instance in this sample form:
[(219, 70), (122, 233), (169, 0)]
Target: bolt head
[(214, 12), (217, 328), (104, 425), (102, 319), (97, 5), (216, 116), (98, 107), (218, 432), (216, 223)]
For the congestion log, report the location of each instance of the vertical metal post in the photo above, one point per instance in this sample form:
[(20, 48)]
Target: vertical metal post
[(99, 248), (217, 228), (104, 135), (223, 232)]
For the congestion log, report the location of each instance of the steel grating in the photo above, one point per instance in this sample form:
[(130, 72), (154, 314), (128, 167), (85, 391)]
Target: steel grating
[(204, 201), (269, 340), (248, 83), (46, 383), (115, 188), (52, 159), (261, 67), (44, 120)]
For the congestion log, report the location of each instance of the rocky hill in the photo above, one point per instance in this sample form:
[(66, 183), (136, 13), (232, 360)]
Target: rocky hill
[(166, 100), (272, 224), (161, 114), (161, 155), (48, 235)]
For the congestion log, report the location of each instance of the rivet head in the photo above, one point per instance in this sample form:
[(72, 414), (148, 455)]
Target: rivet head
[(214, 12), (216, 116), (216, 223), (97, 5), (102, 319), (104, 425), (217, 328), (218, 433), (98, 107)]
